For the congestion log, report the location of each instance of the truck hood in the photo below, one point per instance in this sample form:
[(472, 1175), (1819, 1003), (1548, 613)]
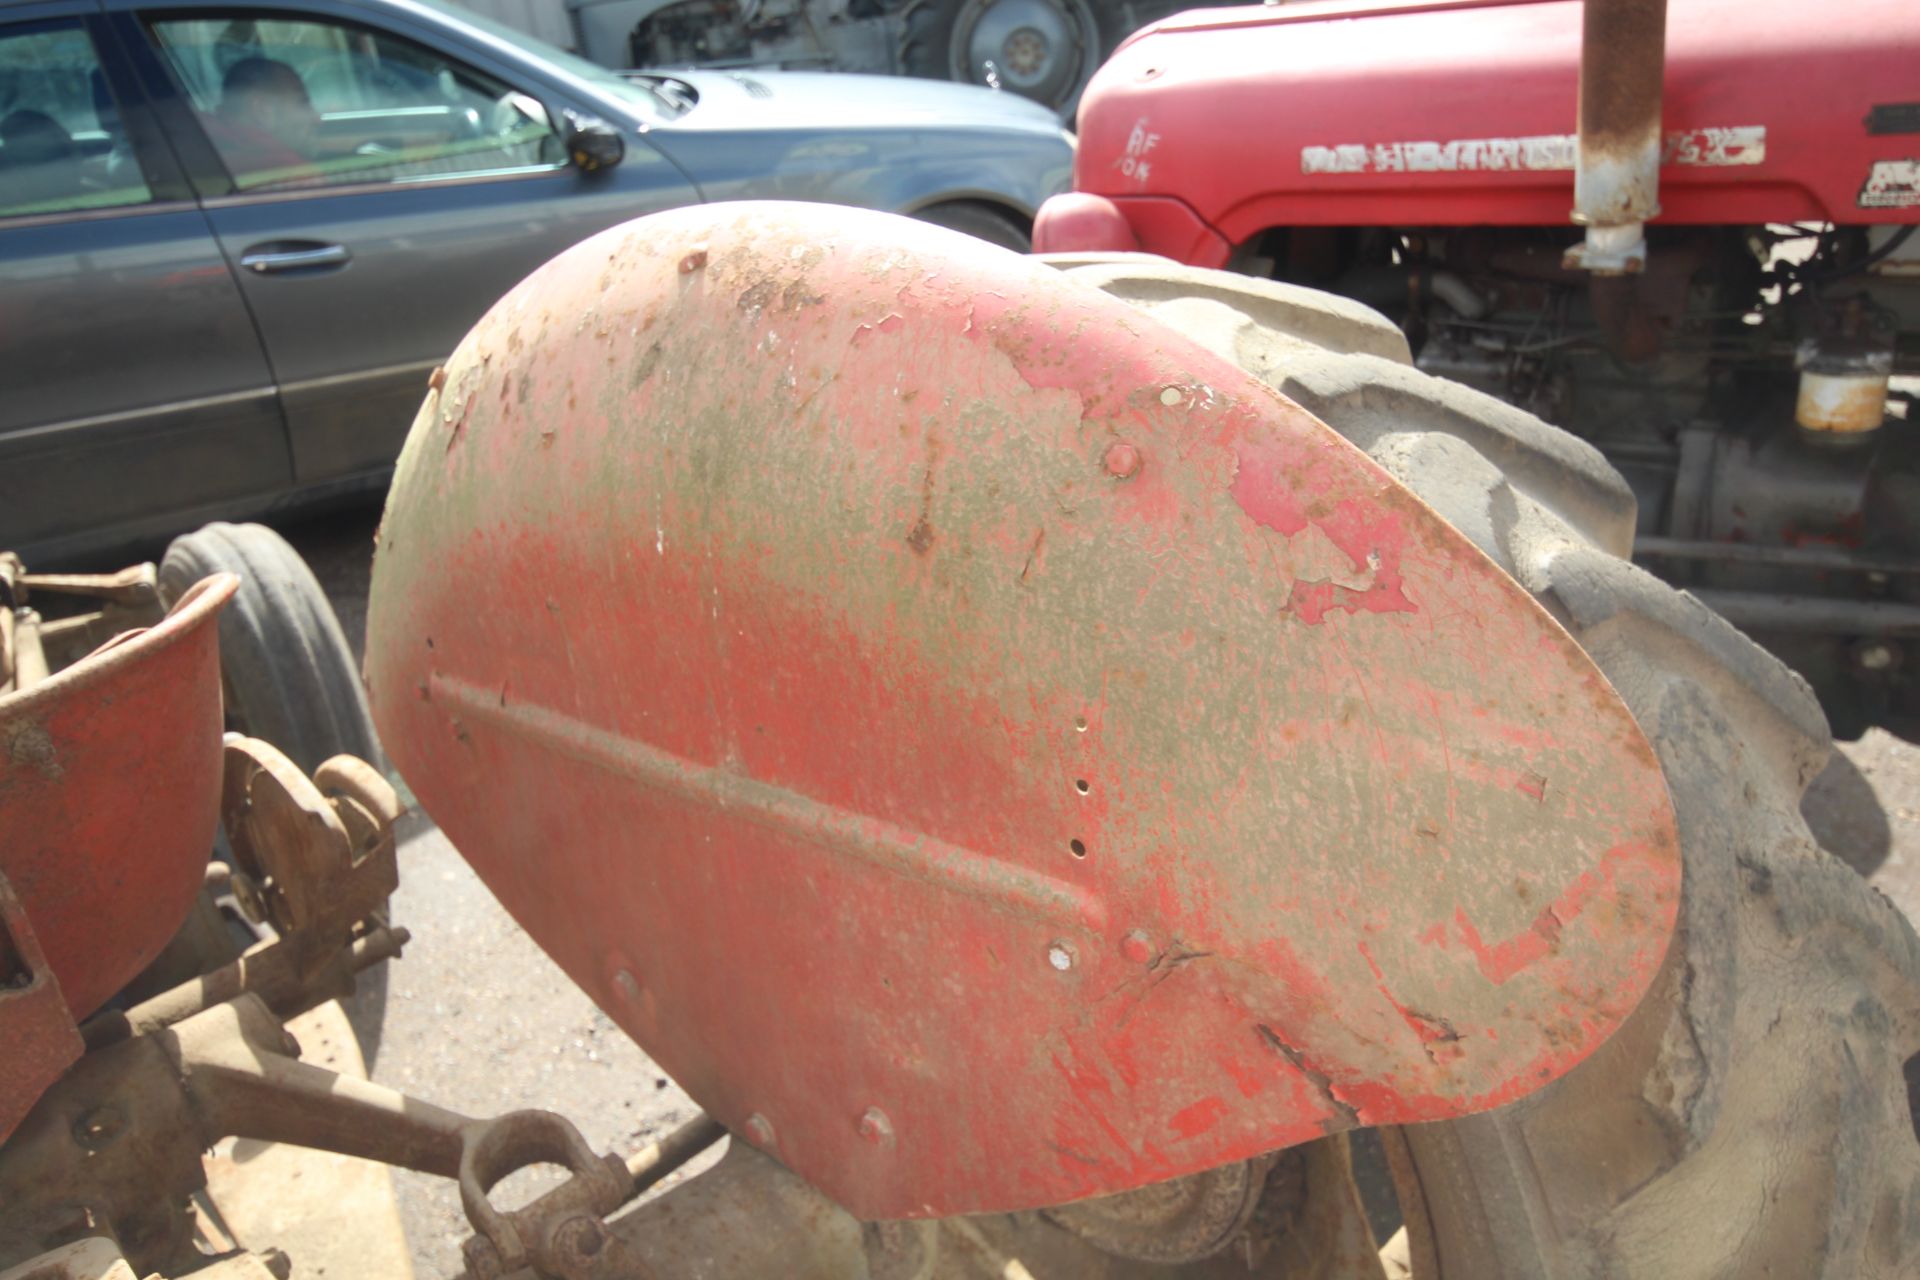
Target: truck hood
[(804, 100)]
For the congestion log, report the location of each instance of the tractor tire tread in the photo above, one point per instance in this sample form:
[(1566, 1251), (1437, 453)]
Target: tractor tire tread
[(1752, 1116)]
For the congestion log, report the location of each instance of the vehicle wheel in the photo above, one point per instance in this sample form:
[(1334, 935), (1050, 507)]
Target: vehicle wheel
[(289, 674), (1751, 1118), (980, 221), (1045, 50)]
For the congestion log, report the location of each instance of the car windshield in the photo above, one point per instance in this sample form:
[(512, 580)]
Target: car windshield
[(635, 91)]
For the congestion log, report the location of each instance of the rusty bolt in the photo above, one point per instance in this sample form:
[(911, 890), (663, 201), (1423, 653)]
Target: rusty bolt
[(1137, 946), (578, 1241), (97, 1128), (694, 260), (1123, 460), (247, 896), (875, 1128), (760, 1131)]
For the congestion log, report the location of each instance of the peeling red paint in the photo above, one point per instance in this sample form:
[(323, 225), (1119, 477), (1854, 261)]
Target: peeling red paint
[(890, 323), (1264, 488), (1372, 538)]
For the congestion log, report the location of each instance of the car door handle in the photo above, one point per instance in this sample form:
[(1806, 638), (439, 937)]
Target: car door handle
[(265, 259)]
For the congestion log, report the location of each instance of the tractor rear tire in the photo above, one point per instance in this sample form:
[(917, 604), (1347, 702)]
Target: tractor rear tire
[(1752, 1117)]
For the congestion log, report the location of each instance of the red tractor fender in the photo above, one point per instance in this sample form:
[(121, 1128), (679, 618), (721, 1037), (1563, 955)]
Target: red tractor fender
[(990, 750)]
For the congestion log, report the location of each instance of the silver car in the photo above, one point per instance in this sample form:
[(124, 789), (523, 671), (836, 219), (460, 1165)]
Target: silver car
[(235, 241)]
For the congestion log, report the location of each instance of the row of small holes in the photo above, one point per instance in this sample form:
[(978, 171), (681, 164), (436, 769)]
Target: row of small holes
[(1081, 785)]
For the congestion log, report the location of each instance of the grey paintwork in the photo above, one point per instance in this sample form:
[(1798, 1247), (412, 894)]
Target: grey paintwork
[(147, 382)]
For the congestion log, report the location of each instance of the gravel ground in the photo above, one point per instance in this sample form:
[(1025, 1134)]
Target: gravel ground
[(479, 1020)]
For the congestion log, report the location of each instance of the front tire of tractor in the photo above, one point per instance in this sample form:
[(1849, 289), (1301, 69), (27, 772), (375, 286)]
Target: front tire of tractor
[(1752, 1117), (289, 673), (288, 676)]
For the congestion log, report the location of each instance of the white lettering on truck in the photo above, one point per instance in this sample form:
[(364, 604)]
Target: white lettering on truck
[(1743, 145)]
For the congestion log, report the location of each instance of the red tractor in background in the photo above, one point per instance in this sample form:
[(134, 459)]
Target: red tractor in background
[(1730, 328)]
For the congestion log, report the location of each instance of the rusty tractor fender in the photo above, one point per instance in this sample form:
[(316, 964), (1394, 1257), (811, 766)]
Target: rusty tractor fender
[(990, 750)]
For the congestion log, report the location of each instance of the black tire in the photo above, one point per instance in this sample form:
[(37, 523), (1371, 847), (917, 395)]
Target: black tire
[(926, 31), (983, 222), (1751, 1118), (931, 33), (289, 677), (289, 674)]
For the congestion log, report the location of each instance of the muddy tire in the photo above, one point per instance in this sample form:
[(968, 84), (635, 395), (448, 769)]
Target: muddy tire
[(1751, 1118), (289, 674)]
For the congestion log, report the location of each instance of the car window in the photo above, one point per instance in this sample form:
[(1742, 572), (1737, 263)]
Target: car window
[(298, 103), (62, 146)]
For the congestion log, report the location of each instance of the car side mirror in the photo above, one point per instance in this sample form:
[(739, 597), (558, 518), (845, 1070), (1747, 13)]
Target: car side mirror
[(592, 143)]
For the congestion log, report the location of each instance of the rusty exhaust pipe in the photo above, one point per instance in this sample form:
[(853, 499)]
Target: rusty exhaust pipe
[(1616, 179)]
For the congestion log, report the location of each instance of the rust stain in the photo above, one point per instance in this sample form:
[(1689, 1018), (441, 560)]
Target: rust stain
[(1622, 70), (921, 536)]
